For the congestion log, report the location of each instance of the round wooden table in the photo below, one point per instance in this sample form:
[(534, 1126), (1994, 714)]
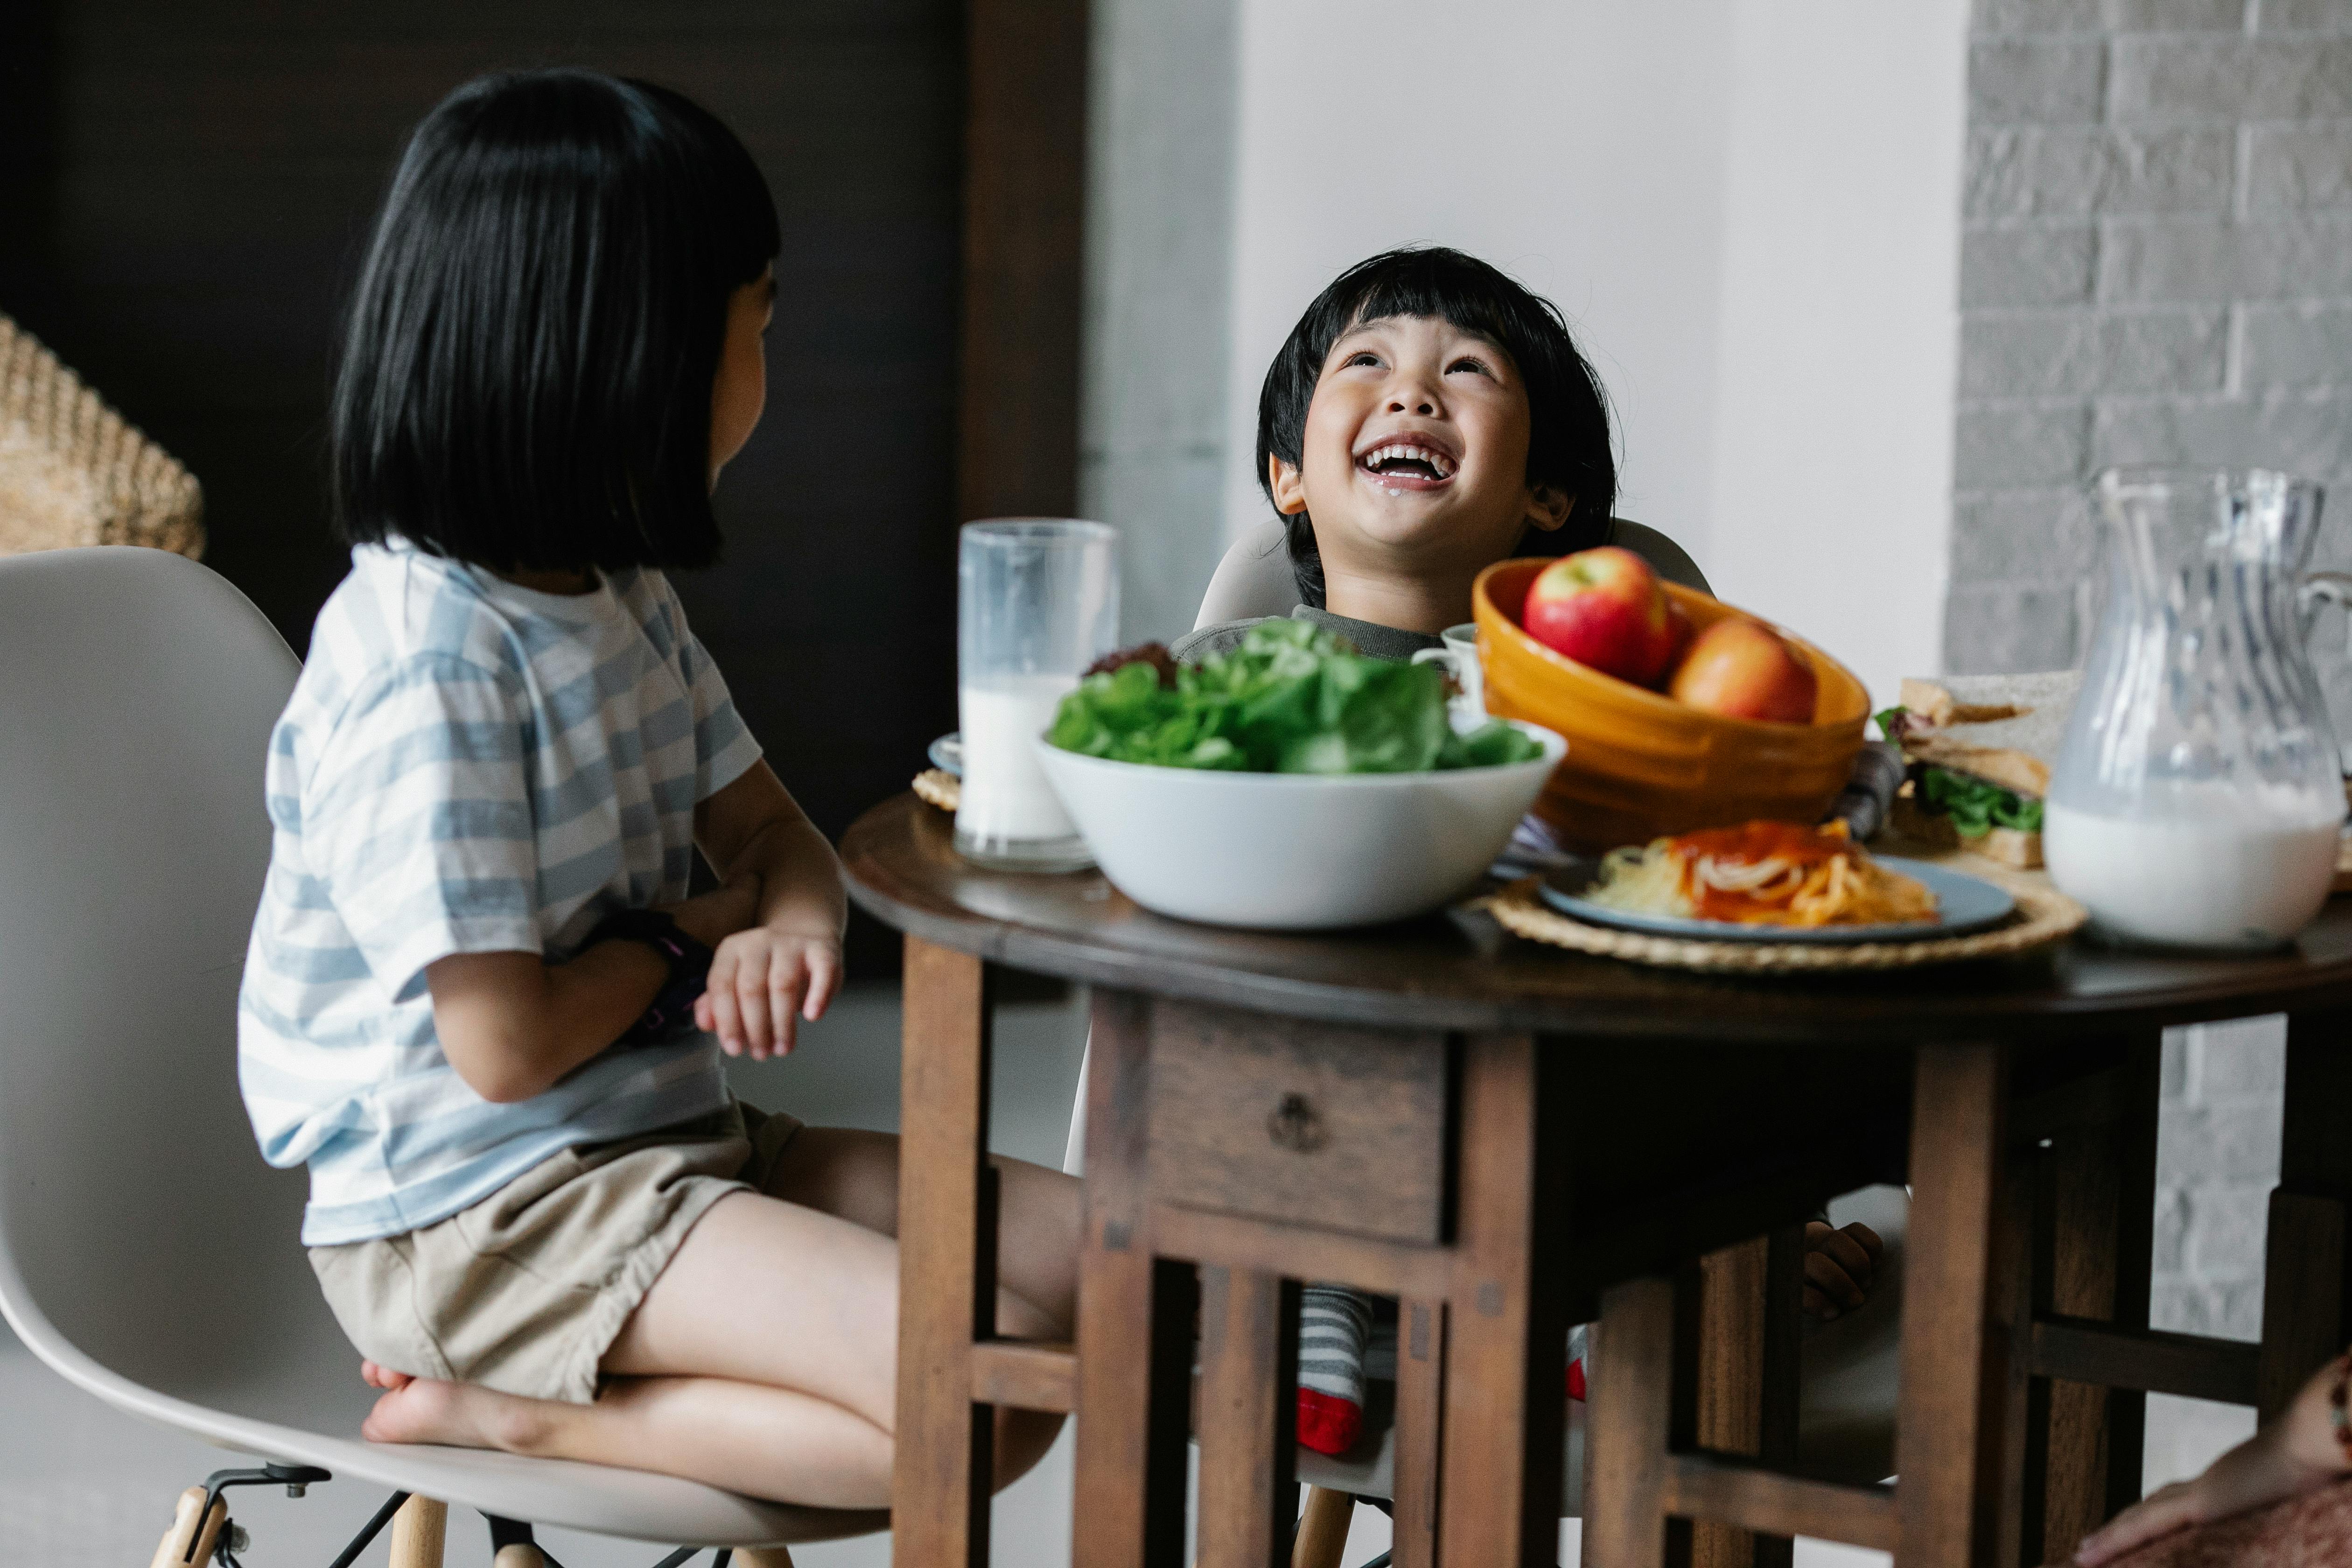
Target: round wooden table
[(1507, 1137)]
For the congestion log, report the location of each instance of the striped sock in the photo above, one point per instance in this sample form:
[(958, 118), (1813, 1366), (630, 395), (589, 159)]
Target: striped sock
[(1334, 1322)]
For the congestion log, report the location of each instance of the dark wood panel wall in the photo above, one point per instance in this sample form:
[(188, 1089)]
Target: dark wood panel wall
[(186, 188), (1024, 219)]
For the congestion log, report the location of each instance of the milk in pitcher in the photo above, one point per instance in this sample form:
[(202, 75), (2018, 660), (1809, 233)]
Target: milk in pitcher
[(2219, 868)]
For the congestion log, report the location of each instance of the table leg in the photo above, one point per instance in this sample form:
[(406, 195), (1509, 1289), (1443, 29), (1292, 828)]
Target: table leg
[(947, 1262), (1950, 1418), (2305, 1290), (1507, 1332), (1135, 1320), (1249, 1419), (1419, 1409)]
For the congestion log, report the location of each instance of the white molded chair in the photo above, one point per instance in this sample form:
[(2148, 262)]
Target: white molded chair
[(147, 1254), (1254, 578)]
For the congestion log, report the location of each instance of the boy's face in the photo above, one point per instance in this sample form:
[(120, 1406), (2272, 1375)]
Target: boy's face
[(1415, 454)]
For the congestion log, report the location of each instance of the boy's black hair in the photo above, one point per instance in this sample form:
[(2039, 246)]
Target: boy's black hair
[(1568, 414), (526, 373)]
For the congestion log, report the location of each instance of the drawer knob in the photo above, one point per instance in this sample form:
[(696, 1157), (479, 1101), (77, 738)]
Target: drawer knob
[(1294, 1126)]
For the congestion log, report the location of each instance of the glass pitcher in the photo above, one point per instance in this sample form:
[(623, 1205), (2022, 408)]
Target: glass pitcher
[(2197, 798)]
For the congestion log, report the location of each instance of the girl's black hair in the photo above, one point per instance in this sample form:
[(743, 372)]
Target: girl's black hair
[(526, 374), (1568, 414)]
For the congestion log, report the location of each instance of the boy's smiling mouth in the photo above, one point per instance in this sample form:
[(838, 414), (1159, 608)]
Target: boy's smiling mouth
[(1399, 463)]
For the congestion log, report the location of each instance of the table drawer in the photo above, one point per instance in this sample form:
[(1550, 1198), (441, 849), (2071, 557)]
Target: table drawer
[(1307, 1123)]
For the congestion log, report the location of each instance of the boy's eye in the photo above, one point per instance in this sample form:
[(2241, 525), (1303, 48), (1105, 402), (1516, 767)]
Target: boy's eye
[(1477, 367), (1362, 356)]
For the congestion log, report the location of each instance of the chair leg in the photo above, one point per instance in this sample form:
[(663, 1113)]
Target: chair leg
[(190, 1539), (762, 1557), (418, 1532), (1750, 1340), (1323, 1529)]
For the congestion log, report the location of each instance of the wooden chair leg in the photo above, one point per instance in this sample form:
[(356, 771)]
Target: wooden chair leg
[(1628, 1426), (762, 1557), (417, 1533), (190, 1539), (1323, 1529), (1750, 1299)]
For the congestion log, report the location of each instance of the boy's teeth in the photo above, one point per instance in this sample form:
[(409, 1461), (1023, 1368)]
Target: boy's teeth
[(1439, 464)]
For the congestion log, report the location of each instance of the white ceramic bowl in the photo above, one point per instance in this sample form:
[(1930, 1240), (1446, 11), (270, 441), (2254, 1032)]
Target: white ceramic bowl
[(1295, 851)]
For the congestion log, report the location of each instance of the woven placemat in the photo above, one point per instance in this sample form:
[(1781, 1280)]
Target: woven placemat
[(939, 787), (2044, 916)]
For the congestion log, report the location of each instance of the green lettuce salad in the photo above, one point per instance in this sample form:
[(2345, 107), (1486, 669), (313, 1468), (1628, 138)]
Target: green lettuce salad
[(1291, 698)]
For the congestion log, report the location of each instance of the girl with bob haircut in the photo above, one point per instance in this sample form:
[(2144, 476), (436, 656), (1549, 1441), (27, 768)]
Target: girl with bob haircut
[(478, 1003)]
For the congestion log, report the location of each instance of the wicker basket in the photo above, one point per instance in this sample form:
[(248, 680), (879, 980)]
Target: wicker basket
[(73, 471)]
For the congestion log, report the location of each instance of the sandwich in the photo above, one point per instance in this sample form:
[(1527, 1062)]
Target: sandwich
[(1977, 750)]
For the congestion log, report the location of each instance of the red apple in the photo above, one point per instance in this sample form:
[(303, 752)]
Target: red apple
[(1679, 637), (1604, 608), (1743, 669)]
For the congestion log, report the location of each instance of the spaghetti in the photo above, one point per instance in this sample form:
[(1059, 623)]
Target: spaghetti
[(1761, 873)]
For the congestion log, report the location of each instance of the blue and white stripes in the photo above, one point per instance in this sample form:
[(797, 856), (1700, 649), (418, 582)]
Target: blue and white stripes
[(466, 766)]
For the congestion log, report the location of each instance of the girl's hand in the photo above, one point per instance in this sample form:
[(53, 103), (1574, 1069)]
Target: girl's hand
[(764, 980), (2293, 1455)]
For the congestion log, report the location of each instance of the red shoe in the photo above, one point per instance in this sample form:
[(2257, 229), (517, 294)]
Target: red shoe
[(1327, 1423)]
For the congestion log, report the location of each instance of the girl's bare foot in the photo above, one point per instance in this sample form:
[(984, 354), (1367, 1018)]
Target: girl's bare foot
[(462, 1414), (377, 1375)]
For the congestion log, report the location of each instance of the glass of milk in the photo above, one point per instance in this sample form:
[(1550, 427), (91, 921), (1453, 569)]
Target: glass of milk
[(1036, 603), (2196, 800)]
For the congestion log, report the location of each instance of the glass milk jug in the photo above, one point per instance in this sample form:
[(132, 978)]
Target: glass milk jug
[(2196, 798)]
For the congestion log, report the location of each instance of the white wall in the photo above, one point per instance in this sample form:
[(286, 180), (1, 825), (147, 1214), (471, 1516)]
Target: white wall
[(1748, 208)]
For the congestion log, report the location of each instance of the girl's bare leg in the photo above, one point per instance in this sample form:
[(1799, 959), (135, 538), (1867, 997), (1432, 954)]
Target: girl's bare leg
[(853, 1175), (768, 1442), (738, 1372)]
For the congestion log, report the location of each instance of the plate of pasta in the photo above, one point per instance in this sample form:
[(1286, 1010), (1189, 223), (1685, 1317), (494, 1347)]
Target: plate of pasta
[(1774, 881)]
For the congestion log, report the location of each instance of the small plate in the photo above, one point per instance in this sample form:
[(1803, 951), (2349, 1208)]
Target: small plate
[(947, 754), (1963, 904)]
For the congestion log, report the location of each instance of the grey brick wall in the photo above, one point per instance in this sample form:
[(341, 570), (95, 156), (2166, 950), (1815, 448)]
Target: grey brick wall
[(2155, 268)]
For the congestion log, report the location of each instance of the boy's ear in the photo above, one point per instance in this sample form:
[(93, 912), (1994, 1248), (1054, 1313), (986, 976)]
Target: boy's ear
[(1290, 490), (1549, 506)]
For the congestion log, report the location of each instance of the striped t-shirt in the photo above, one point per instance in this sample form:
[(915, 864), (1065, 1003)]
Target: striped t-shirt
[(466, 766)]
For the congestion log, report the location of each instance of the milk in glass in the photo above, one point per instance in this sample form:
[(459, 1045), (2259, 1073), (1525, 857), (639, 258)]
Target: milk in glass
[(1006, 792), (1036, 604)]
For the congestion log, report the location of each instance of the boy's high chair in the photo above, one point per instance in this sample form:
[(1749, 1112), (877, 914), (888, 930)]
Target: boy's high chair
[(1845, 1414), (146, 1252)]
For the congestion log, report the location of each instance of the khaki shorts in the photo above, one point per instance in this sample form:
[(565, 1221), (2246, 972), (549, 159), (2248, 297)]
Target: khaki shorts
[(526, 1290)]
